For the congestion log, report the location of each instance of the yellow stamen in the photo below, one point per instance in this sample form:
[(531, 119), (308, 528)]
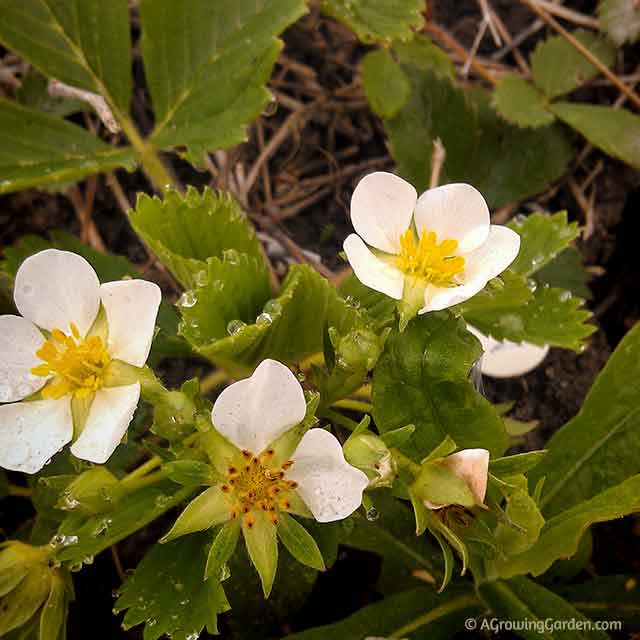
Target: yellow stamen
[(78, 366), (429, 260)]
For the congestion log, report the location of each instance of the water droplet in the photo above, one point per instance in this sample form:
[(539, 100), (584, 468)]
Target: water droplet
[(301, 377), (272, 306), (69, 502), (178, 586), (565, 295), (264, 319), (102, 527), (162, 500), (60, 542), (188, 299), (532, 285), (201, 278), (372, 514), (235, 326), (225, 572), (192, 636), (75, 567)]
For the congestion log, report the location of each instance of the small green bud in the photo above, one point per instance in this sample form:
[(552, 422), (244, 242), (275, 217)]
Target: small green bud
[(94, 491), (359, 349), (370, 454)]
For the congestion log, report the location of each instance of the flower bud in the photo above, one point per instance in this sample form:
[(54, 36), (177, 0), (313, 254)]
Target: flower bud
[(370, 454), (93, 491), (359, 349)]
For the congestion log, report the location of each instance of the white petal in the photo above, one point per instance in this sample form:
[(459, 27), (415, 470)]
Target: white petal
[(32, 432), (54, 288), (438, 298), (506, 359), (494, 256), (132, 308), (472, 466), (109, 416), (254, 412), (455, 211), (328, 484), (381, 208), (19, 341), (372, 271)]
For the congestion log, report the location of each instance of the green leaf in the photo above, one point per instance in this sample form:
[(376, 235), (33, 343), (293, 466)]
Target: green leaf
[(38, 149), (520, 103), (518, 463), (620, 20), (560, 536), (210, 508), (598, 448), (299, 542), (542, 238), (614, 131), (262, 546), (167, 592), (385, 83), (21, 603), (422, 379), (559, 68), (422, 53), (419, 613), (552, 317), (84, 43), (207, 64), (507, 291), (290, 328), (522, 600), (185, 231), (566, 271), (135, 511), (378, 20), (523, 513), (523, 161), (224, 544)]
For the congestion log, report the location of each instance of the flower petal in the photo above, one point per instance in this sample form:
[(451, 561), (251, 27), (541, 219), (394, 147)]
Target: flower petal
[(494, 256), (253, 412), (472, 466), (109, 416), (381, 208), (55, 288), (372, 271), (132, 308), (506, 359), (328, 484), (32, 432), (438, 298), (19, 341), (455, 211)]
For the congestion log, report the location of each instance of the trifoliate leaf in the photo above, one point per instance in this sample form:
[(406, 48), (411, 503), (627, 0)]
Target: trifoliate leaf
[(620, 20), (184, 231), (207, 64), (559, 68), (520, 103), (542, 238), (378, 20), (38, 149), (422, 379), (614, 131), (168, 592), (385, 83), (522, 161)]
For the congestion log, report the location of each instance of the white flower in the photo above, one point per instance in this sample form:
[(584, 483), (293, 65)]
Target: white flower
[(252, 414), (72, 328), (472, 466), (506, 359), (434, 251)]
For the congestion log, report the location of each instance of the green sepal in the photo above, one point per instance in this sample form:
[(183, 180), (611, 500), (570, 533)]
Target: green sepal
[(94, 491), (299, 542), (518, 463), (222, 453), (191, 472), (210, 508), (434, 524), (297, 505), (412, 301), (445, 448), (224, 544), (439, 485), (449, 561), (398, 437), (369, 453), (54, 611), (262, 546)]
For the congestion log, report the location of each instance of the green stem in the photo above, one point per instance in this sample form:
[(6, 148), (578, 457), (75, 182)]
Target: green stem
[(338, 418), (23, 492), (139, 482), (353, 405), (405, 462), (142, 470), (463, 602)]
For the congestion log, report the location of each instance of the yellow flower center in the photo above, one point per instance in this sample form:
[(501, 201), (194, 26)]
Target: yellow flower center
[(78, 365), (429, 260), (258, 485)]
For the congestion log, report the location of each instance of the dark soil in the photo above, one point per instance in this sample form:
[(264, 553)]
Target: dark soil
[(304, 195)]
